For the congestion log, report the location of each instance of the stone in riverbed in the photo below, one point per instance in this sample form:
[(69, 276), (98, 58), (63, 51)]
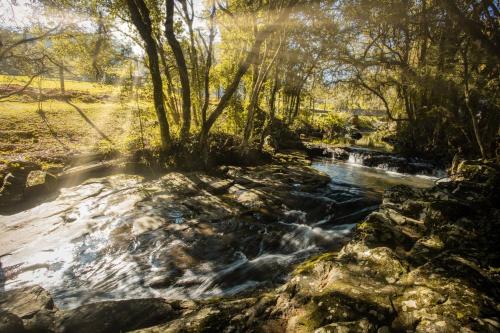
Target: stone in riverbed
[(360, 326), (207, 319), (40, 181), (220, 186), (31, 309), (35, 178), (340, 154), (115, 316), (10, 323), (247, 197), (32, 305), (26, 302), (21, 178), (317, 151)]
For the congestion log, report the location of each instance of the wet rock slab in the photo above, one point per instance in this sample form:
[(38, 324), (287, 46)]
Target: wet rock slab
[(212, 216), (114, 316), (33, 310), (26, 302), (180, 235), (425, 262)]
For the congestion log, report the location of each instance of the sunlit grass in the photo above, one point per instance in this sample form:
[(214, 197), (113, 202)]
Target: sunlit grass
[(54, 129), (53, 83), (60, 130)]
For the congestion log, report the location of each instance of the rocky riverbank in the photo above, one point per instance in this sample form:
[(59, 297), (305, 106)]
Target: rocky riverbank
[(426, 261)]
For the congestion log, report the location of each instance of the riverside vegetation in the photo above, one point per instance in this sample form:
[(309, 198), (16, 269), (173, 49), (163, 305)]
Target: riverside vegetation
[(249, 166)]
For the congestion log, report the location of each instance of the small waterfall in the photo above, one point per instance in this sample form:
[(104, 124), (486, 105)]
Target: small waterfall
[(243, 274), (303, 237), (385, 161), (355, 158)]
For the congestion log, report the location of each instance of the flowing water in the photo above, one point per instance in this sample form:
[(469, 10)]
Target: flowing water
[(123, 236), (390, 162)]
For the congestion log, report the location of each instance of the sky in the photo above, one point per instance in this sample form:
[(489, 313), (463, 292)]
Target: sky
[(15, 13), (21, 14)]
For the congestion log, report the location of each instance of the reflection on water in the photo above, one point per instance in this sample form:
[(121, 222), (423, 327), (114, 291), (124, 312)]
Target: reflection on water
[(124, 237), (366, 178)]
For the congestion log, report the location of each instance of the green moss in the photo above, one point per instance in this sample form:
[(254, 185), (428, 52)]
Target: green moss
[(311, 319), (309, 264)]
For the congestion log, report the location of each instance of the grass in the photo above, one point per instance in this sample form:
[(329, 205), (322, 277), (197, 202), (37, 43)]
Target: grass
[(53, 83), (58, 130)]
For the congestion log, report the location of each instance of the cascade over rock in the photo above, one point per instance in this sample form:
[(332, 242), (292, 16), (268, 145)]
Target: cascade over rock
[(424, 262)]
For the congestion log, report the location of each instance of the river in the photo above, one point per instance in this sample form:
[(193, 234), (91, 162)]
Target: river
[(123, 236)]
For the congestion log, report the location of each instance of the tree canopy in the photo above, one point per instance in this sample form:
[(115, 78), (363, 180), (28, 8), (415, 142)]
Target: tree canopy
[(431, 66)]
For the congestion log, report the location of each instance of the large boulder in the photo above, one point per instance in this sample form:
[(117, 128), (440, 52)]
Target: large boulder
[(39, 181), (115, 316), (29, 308), (10, 323), (340, 154), (22, 179), (26, 302)]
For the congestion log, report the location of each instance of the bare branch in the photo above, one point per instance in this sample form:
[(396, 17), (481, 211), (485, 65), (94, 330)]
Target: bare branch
[(26, 40), (23, 88)]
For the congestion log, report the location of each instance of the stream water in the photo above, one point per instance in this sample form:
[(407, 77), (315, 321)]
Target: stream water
[(122, 236)]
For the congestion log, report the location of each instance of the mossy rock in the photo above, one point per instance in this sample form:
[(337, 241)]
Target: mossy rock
[(308, 266), (478, 170)]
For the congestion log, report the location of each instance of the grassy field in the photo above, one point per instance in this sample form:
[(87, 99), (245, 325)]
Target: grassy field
[(57, 129), (53, 83)]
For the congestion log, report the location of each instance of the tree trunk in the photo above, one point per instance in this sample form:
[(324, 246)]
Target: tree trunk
[(475, 125), (170, 98), (242, 69), (290, 107), (140, 17), (297, 107), (101, 33), (254, 97), (193, 57), (61, 78), (272, 110), (183, 72), (208, 66)]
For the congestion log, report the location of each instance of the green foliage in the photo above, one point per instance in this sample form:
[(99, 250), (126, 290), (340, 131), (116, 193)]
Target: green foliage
[(434, 79)]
